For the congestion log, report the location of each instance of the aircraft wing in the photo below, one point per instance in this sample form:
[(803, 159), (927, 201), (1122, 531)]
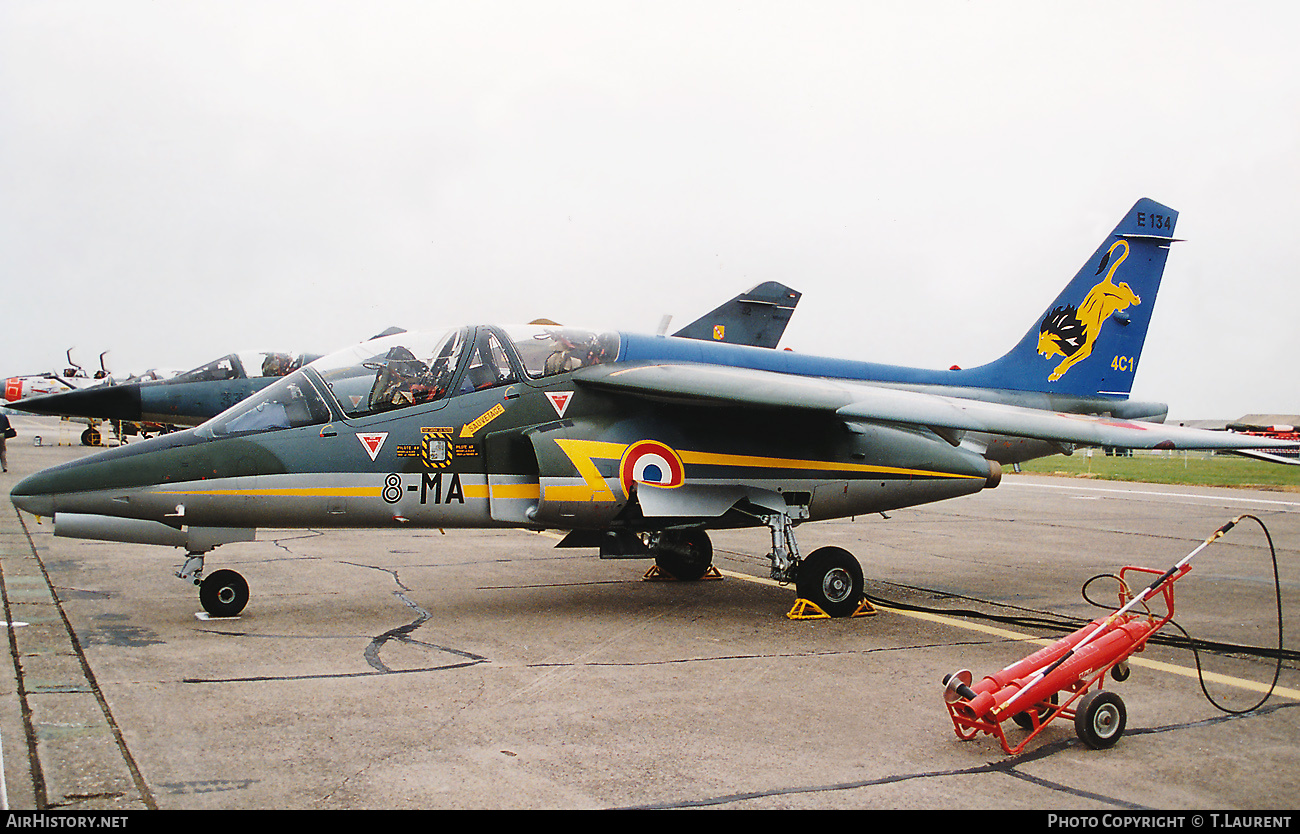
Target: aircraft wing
[(728, 386)]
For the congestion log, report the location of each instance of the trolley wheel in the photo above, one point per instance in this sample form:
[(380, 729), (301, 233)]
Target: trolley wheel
[(1120, 671), (1026, 722), (1100, 719), (832, 579), (224, 593)]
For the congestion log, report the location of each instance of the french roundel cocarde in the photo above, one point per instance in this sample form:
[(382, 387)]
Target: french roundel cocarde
[(650, 462)]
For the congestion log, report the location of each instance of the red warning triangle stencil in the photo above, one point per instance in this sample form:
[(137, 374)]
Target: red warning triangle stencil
[(560, 400), (372, 442)]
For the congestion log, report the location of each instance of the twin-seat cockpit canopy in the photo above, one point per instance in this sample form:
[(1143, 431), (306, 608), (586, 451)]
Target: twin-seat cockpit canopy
[(416, 368), (248, 364)]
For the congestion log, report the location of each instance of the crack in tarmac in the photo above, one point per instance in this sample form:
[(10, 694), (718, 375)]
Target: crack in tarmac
[(403, 633)]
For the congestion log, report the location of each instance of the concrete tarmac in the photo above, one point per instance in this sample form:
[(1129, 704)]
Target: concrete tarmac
[(487, 669)]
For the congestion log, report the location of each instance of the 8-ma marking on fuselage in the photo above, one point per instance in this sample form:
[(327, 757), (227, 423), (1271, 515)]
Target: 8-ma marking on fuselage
[(393, 488)]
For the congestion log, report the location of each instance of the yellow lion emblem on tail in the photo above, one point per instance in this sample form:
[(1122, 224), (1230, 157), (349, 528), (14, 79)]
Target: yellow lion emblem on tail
[(1071, 333)]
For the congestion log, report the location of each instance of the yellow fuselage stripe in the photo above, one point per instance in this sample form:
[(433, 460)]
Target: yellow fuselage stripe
[(715, 459), (501, 491), (296, 492)]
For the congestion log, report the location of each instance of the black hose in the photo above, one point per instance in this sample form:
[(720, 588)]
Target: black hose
[(1070, 624), (1197, 646), (1277, 586)]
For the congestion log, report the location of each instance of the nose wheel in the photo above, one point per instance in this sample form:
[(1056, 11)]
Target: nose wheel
[(224, 593)]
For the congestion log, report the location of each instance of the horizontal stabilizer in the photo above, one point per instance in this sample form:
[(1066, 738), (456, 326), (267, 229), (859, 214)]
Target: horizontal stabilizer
[(1259, 454)]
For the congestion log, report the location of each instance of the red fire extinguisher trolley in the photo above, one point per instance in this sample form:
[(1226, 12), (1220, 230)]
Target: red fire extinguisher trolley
[(1065, 680)]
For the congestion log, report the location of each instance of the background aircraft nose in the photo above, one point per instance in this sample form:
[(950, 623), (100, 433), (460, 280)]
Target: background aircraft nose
[(111, 402)]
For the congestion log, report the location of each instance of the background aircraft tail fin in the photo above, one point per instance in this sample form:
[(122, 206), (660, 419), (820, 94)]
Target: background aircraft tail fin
[(1089, 340), (757, 318)]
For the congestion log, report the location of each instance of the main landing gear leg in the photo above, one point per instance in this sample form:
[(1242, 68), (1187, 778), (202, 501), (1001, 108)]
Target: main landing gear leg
[(785, 549), (223, 594), (830, 577)]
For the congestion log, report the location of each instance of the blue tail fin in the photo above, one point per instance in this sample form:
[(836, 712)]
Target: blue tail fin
[(1088, 341)]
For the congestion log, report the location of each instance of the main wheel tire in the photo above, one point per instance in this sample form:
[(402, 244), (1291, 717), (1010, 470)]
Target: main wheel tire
[(830, 578), (1100, 719), (686, 554), (224, 594), (91, 437)]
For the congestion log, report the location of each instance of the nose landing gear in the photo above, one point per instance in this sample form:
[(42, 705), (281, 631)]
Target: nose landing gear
[(223, 594)]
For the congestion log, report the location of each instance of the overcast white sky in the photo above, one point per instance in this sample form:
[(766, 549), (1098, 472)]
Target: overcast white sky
[(179, 180)]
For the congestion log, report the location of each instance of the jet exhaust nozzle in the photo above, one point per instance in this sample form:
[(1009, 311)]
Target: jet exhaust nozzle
[(995, 475)]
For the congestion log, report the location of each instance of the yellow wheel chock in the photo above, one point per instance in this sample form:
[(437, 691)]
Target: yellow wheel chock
[(806, 610), (658, 574)]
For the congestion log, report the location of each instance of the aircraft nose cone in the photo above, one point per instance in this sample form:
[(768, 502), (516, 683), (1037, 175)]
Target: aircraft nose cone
[(67, 486), (33, 495)]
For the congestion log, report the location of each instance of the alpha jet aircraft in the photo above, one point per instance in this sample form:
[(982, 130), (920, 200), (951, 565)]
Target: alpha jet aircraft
[(636, 445)]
